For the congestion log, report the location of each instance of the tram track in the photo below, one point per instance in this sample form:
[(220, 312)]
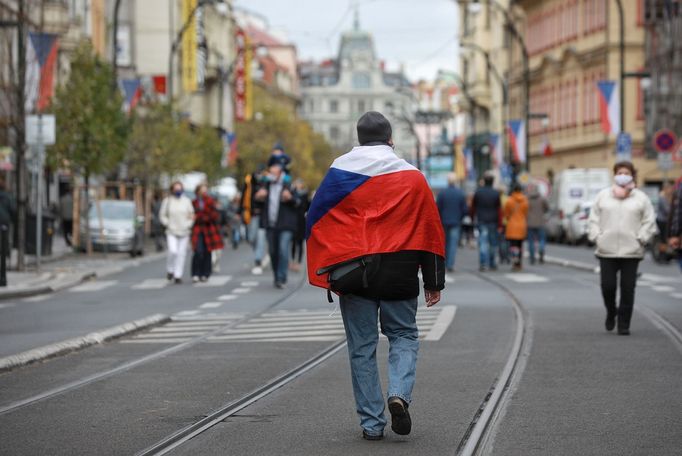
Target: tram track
[(128, 365)]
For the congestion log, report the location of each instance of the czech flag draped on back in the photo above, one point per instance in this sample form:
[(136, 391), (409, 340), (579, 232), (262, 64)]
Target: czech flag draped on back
[(41, 60), (370, 202)]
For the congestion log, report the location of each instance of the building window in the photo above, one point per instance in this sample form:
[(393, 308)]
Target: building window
[(334, 133), (594, 16), (361, 81), (333, 106)]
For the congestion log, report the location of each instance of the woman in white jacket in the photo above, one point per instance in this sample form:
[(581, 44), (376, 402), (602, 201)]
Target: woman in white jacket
[(622, 221), (177, 216)]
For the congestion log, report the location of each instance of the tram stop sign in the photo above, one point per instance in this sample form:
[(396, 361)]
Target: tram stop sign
[(664, 141)]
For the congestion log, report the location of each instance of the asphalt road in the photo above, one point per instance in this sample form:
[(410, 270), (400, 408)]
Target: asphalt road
[(577, 390)]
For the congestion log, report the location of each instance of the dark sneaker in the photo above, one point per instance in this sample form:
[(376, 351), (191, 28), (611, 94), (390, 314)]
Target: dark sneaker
[(623, 332), (482, 268), (279, 285), (169, 276), (178, 281), (493, 268), (610, 322), (367, 436), (401, 423)]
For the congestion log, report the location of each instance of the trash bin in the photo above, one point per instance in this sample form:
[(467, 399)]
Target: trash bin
[(48, 233)]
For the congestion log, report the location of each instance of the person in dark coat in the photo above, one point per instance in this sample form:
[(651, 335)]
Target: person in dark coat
[(486, 208), (452, 206), (280, 219), (7, 214), (674, 229), (299, 235), (205, 234)]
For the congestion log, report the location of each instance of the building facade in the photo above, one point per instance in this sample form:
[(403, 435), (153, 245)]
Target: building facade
[(573, 44), (335, 93)]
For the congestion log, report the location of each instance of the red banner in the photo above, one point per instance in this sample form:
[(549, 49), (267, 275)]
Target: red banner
[(242, 80)]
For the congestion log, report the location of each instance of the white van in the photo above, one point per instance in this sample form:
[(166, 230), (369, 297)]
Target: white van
[(571, 188)]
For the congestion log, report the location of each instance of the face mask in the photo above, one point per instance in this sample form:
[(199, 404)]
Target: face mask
[(177, 193), (622, 179)]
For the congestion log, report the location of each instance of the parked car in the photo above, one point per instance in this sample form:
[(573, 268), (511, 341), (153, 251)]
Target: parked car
[(576, 232), (121, 230), (571, 188)]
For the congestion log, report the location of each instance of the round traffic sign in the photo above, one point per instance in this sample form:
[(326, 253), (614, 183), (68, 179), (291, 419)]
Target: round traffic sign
[(664, 140)]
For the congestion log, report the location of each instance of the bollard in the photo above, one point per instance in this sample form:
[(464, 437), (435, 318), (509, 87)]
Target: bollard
[(3, 255)]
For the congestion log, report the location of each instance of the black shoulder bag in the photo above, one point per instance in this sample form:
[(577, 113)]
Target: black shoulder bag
[(352, 276)]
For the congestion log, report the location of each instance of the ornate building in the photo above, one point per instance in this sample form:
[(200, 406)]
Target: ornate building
[(335, 93)]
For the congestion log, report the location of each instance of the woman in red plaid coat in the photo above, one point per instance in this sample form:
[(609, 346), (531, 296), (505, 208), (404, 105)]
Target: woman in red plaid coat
[(205, 234)]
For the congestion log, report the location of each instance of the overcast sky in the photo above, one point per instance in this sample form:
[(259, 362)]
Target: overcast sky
[(421, 34)]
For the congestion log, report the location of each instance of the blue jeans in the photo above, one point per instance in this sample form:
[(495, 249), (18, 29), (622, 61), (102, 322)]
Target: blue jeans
[(540, 235), (487, 244), (256, 236), (279, 243), (398, 324), (452, 234)]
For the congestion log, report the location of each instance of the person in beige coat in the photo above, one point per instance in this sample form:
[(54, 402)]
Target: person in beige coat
[(177, 216), (622, 221)]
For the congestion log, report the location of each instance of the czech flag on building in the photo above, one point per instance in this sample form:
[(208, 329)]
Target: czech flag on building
[(370, 202), (132, 90), (41, 60), (497, 152), (516, 130), (609, 106)]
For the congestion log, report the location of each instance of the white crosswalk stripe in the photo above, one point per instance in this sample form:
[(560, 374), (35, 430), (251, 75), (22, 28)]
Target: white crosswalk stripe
[(97, 285), (526, 278), (215, 281), (6, 306), (151, 284), (280, 326), (38, 298)]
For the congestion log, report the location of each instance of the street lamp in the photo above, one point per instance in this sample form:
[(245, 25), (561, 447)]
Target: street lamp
[(178, 39)]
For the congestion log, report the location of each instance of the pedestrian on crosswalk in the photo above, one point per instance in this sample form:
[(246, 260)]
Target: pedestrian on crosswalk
[(621, 222), (486, 208), (372, 225), (177, 216), (516, 213), (251, 211), (206, 236)]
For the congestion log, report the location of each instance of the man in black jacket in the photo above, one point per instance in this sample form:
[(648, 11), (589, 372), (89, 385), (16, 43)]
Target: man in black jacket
[(391, 298), (280, 218), (486, 208)]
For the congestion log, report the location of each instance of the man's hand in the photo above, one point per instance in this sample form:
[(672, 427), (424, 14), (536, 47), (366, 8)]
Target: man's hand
[(432, 297), (674, 242), (261, 194), (286, 195)]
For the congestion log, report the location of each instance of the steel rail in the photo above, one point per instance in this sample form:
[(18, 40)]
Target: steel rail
[(185, 434), (76, 384), (484, 419)]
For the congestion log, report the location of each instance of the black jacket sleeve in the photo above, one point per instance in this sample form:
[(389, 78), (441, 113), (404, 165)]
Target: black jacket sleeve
[(433, 270)]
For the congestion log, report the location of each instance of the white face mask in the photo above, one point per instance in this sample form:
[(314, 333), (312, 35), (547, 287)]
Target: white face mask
[(622, 179)]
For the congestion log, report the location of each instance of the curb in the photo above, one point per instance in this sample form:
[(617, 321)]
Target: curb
[(68, 283), (78, 343)]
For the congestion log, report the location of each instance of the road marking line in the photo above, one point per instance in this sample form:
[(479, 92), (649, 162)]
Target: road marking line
[(94, 286), (151, 284), (676, 295), (447, 314), (155, 341), (175, 328), (663, 288), (227, 297), (250, 284), (168, 335), (7, 306), (287, 339), (526, 278), (230, 336), (210, 305), (241, 290), (659, 278), (215, 281), (449, 279), (240, 330), (39, 298), (186, 313)]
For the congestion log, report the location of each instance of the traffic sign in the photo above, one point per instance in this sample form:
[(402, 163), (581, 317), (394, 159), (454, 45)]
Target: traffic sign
[(40, 129), (664, 140), (665, 161), (624, 146)]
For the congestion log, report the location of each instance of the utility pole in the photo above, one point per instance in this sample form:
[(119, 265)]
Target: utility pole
[(20, 137)]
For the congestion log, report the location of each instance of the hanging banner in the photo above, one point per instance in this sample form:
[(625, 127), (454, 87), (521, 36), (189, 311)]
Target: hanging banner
[(41, 63), (243, 88), (609, 107), (189, 47), (516, 129)]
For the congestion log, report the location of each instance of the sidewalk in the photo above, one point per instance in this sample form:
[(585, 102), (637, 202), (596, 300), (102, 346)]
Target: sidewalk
[(65, 269)]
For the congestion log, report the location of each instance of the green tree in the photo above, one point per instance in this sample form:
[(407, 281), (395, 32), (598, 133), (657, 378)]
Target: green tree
[(91, 127)]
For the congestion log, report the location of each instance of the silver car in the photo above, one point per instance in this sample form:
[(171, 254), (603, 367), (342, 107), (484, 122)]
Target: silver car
[(121, 230)]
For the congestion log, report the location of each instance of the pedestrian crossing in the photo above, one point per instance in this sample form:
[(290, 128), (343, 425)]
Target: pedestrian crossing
[(279, 326), (215, 281)]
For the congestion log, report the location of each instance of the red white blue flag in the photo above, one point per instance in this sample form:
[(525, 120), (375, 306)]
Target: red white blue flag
[(370, 202), (609, 107), (516, 130), (497, 151), (132, 91), (41, 61)]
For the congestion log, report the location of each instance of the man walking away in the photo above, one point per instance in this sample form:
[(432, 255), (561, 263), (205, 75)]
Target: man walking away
[(279, 218), (373, 262), (486, 209), (537, 210), (66, 214), (7, 213), (452, 206)]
